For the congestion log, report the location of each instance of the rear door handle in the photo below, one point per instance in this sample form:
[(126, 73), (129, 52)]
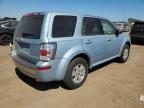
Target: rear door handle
[(88, 42)]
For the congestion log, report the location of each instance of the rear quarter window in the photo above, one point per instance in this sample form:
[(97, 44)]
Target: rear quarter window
[(137, 29), (63, 26)]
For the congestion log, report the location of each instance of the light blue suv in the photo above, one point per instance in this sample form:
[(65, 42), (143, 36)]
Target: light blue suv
[(54, 46)]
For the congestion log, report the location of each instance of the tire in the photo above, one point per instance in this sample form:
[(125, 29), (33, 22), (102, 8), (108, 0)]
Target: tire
[(76, 73), (5, 39), (125, 54)]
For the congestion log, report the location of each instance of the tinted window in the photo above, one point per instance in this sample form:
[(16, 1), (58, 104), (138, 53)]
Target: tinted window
[(64, 26), (30, 26), (138, 29), (108, 28), (91, 26)]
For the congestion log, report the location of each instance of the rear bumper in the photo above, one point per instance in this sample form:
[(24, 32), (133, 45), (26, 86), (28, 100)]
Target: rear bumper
[(24, 66), (25, 70), (55, 73)]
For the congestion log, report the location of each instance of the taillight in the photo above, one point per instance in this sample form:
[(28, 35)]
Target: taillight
[(47, 51)]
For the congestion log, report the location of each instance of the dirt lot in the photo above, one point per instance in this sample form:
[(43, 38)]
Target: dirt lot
[(111, 85)]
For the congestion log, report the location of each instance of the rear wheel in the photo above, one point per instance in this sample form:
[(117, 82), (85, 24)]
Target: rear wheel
[(125, 54), (5, 39), (76, 73)]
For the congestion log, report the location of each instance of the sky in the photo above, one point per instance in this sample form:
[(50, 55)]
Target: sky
[(115, 10)]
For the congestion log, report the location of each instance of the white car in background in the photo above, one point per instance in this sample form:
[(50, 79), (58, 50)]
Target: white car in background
[(122, 26)]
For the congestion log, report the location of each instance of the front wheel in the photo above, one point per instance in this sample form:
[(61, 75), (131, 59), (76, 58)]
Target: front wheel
[(5, 39), (76, 73), (125, 54)]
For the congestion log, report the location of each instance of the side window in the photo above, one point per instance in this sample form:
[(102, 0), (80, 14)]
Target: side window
[(108, 28), (91, 26), (63, 26)]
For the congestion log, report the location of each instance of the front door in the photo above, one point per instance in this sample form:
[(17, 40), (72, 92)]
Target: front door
[(113, 42)]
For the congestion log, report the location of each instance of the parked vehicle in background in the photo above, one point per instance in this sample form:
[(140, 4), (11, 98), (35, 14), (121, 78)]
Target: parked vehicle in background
[(7, 29), (56, 46), (7, 18), (137, 32), (122, 26)]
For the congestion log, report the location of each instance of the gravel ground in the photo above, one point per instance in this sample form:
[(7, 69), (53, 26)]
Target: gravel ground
[(111, 85)]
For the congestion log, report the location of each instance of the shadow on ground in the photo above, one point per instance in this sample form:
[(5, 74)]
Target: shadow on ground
[(101, 66), (43, 86), (37, 85), (138, 43)]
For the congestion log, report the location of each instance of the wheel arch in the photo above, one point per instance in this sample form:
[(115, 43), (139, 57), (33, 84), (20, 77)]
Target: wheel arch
[(84, 56), (7, 33), (128, 43), (125, 43)]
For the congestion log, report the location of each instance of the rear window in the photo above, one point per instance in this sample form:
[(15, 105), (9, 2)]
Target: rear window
[(63, 26), (138, 29), (30, 26)]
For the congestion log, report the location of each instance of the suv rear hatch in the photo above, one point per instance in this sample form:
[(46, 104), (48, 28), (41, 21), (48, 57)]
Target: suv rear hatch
[(137, 29), (27, 37)]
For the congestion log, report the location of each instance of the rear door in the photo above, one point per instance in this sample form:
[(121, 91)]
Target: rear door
[(93, 40), (27, 37)]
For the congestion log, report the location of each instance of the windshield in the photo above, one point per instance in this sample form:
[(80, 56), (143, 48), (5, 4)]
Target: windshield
[(30, 27)]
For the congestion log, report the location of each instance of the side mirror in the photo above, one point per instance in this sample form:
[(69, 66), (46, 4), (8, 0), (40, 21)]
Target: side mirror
[(118, 31)]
